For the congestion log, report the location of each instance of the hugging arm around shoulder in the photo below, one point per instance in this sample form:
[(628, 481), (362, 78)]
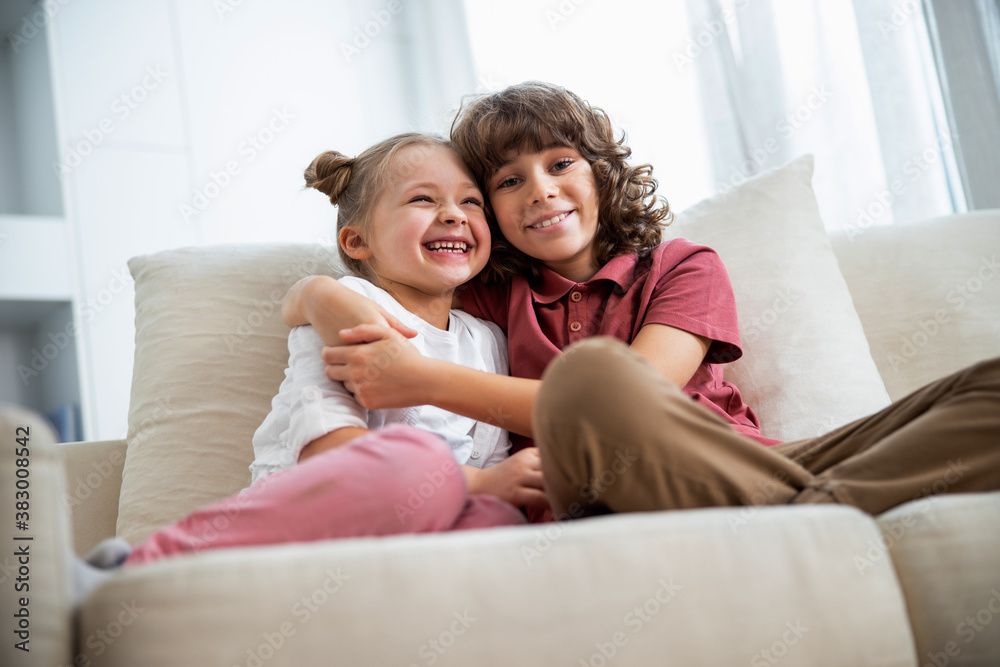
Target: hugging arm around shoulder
[(330, 306)]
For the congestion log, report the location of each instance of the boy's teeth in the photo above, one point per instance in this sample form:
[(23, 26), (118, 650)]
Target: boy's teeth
[(550, 221), (448, 246)]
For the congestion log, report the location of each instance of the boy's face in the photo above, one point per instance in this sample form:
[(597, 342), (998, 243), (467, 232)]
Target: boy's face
[(546, 205)]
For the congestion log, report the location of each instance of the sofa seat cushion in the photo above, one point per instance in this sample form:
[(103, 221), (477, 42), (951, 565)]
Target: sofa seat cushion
[(946, 550), (713, 587)]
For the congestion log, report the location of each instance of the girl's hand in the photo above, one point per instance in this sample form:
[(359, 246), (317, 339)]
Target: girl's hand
[(380, 367), (518, 480)]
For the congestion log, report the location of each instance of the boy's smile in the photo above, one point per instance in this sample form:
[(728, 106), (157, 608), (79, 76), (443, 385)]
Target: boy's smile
[(546, 205)]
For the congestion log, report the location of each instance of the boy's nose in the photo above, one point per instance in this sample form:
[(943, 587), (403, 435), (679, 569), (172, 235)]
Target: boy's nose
[(543, 188)]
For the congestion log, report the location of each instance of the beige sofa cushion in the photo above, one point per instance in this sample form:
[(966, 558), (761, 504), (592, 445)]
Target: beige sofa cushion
[(806, 366), (928, 294), (700, 587), (946, 550), (210, 352)]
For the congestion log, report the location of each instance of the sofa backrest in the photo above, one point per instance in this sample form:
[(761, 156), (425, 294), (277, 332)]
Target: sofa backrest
[(927, 293)]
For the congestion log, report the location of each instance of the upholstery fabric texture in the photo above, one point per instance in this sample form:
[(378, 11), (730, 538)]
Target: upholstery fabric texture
[(806, 366)]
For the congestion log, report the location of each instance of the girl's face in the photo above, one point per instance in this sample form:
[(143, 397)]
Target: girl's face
[(428, 230), (546, 205)]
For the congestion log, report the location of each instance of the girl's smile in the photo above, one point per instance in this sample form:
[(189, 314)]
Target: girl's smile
[(546, 205), (428, 232)]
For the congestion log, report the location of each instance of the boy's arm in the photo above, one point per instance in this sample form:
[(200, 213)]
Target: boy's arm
[(405, 378), (329, 306)]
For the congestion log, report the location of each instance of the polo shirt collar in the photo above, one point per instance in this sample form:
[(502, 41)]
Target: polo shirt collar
[(549, 287)]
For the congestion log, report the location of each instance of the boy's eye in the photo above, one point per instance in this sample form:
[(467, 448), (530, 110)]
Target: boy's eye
[(420, 198), (474, 201)]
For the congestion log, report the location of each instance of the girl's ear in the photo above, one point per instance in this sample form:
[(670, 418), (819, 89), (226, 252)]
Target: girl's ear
[(354, 243)]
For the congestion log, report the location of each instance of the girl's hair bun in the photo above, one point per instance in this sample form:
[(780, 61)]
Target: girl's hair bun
[(330, 173)]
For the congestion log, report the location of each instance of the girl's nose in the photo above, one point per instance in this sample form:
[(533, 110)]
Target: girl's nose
[(453, 214)]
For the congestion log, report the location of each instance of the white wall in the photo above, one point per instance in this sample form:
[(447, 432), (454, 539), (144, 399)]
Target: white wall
[(213, 78)]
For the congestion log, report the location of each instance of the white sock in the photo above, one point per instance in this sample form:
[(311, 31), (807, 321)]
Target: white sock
[(101, 564), (111, 552)]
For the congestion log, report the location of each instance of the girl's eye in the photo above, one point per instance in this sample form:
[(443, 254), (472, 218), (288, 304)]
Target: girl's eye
[(562, 164), (506, 183)]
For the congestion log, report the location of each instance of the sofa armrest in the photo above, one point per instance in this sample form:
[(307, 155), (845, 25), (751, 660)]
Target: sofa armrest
[(93, 485)]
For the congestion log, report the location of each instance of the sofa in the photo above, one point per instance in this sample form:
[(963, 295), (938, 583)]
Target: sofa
[(834, 324)]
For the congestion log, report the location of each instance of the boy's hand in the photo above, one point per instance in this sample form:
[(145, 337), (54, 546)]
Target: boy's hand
[(518, 480), (380, 367), (329, 306)]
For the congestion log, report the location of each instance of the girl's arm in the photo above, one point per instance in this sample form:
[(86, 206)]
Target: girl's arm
[(387, 373), (329, 306)]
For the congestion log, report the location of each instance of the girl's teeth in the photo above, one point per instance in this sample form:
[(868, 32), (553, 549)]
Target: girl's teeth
[(448, 246), (550, 221)]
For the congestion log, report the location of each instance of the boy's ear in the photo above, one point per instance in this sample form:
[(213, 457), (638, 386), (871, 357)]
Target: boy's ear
[(354, 243)]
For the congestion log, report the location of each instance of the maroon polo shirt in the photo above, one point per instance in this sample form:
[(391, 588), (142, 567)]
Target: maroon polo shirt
[(679, 284)]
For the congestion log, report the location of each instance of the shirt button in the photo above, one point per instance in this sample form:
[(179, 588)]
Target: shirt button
[(575, 296), (475, 455), (575, 326)]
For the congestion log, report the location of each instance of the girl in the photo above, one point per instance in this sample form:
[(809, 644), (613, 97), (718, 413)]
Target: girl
[(411, 227), (638, 418)]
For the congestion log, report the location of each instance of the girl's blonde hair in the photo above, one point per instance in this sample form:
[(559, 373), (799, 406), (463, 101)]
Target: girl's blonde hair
[(355, 184), (529, 116)]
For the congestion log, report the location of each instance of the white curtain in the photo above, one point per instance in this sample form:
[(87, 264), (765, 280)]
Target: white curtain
[(423, 77), (851, 84), (713, 91), (966, 44)]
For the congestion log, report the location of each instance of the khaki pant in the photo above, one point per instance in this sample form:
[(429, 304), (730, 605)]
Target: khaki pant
[(614, 435)]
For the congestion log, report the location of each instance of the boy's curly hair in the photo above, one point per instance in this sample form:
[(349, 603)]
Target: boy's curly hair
[(534, 114)]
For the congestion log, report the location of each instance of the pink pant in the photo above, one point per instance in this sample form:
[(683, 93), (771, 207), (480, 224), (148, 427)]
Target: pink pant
[(396, 480)]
